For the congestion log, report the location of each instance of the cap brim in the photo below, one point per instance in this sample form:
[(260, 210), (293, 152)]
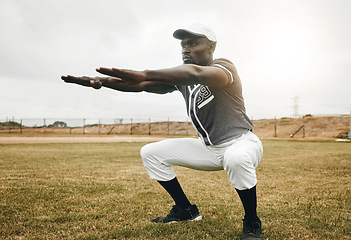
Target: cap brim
[(182, 33)]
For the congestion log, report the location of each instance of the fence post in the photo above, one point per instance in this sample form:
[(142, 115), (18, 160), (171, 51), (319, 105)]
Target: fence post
[(168, 127), (149, 127), (275, 126), (83, 125), (303, 129), (44, 125), (99, 127), (21, 127), (131, 126), (9, 125)]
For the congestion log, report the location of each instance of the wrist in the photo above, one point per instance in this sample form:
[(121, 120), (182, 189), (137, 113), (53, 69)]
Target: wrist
[(148, 75)]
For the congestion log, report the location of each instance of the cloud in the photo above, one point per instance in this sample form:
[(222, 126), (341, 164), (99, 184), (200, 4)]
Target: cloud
[(41, 40)]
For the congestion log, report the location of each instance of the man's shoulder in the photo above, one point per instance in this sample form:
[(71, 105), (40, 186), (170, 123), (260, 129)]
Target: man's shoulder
[(224, 61), (228, 68)]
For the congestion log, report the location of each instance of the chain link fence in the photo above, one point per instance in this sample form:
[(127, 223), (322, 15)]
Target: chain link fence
[(308, 126), (123, 126)]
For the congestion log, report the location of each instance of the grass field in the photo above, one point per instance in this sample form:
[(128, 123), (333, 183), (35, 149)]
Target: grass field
[(102, 191)]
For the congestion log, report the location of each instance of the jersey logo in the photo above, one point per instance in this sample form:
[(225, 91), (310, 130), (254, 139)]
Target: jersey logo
[(204, 97)]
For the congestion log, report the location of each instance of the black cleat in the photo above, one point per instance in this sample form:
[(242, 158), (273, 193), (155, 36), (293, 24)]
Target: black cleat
[(178, 214), (252, 229)]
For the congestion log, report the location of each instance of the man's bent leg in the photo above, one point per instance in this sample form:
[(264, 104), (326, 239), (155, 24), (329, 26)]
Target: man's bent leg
[(240, 162), (158, 159), (175, 190), (241, 159)]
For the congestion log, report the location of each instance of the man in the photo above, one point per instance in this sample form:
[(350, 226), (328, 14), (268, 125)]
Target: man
[(213, 95)]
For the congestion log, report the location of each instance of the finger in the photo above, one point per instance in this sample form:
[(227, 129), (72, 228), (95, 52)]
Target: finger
[(123, 73), (106, 71), (69, 79), (113, 72), (115, 80), (84, 81), (66, 77)]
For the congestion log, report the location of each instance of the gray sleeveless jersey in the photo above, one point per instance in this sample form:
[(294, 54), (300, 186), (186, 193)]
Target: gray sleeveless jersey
[(218, 114)]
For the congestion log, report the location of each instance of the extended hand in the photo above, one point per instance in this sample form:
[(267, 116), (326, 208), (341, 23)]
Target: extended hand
[(84, 81), (128, 77)]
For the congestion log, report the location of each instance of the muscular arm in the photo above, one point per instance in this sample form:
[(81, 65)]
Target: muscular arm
[(98, 82), (154, 81), (187, 74), (152, 87)]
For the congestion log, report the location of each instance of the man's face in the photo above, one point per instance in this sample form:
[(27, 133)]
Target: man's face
[(196, 50)]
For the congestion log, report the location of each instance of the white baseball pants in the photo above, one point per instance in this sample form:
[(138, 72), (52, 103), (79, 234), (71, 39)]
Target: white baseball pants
[(239, 158)]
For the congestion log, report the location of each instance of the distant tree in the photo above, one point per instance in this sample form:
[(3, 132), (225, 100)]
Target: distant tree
[(58, 124), (10, 123)]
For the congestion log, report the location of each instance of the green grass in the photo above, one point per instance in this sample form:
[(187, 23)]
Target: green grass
[(102, 191)]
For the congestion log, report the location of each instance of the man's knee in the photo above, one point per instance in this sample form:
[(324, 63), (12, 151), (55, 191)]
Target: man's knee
[(147, 151), (152, 156), (144, 151), (240, 168), (236, 160), (244, 155)]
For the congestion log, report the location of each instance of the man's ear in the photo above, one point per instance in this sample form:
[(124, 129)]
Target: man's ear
[(212, 46)]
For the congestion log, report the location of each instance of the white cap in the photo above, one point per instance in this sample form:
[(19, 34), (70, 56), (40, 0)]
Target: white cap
[(197, 30)]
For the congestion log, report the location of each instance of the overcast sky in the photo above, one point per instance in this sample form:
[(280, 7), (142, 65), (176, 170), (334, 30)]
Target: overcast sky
[(286, 52)]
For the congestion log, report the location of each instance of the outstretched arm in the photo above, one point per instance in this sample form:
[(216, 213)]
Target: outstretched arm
[(187, 74), (98, 82)]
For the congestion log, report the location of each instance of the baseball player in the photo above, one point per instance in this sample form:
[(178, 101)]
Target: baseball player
[(212, 92)]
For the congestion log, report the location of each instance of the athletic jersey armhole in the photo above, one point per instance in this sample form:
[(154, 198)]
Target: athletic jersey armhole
[(227, 72)]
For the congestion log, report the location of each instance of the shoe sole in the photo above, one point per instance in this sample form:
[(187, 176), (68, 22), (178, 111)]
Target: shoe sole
[(198, 218), (251, 236)]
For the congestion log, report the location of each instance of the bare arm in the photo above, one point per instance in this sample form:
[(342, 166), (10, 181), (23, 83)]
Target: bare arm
[(152, 87), (155, 81), (187, 74), (98, 82)]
